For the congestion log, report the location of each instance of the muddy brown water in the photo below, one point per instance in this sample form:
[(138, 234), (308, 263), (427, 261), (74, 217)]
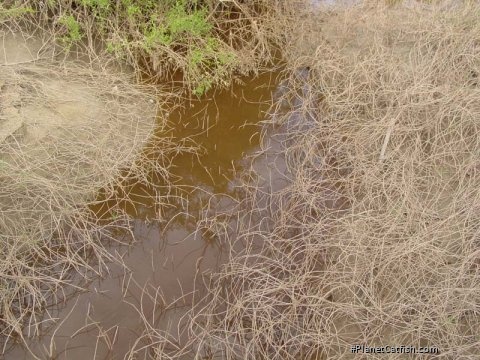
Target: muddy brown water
[(169, 260)]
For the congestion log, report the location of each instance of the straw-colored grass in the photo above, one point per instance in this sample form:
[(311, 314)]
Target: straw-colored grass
[(375, 241), (83, 129), (50, 178), (208, 42)]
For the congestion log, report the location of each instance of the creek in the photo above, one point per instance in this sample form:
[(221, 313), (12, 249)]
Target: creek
[(165, 269)]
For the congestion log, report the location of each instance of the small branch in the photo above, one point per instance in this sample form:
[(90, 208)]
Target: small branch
[(387, 138)]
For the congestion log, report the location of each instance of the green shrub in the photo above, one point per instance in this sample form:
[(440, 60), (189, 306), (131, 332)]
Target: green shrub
[(15, 12), (74, 33), (156, 30), (180, 22), (156, 36)]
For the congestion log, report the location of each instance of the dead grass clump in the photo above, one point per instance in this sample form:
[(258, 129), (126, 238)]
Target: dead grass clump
[(77, 130), (376, 240)]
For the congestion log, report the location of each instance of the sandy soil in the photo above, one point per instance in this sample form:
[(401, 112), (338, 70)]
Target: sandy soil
[(38, 99)]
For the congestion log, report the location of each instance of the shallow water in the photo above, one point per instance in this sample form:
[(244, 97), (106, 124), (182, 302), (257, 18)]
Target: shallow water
[(168, 263)]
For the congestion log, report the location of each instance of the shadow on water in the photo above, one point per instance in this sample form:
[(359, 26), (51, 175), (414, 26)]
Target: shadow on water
[(165, 267)]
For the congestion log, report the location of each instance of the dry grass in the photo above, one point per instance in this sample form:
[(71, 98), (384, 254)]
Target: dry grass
[(208, 42), (50, 237), (376, 240), (84, 130)]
